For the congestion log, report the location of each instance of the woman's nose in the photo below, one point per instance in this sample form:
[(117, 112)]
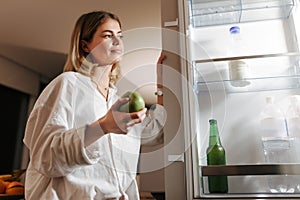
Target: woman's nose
[(116, 40)]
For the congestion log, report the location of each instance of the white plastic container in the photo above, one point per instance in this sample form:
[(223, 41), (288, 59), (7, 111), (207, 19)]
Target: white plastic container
[(238, 72)]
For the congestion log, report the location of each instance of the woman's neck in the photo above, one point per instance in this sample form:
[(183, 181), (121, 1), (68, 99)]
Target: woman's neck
[(101, 76)]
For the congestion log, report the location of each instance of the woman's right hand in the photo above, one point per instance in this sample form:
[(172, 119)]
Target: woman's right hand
[(120, 122)]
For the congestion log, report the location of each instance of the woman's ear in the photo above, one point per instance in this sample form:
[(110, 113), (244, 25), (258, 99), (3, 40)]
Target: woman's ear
[(84, 46)]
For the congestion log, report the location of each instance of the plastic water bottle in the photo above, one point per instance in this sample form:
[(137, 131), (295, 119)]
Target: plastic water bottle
[(276, 151), (277, 146), (238, 69), (237, 46), (272, 120), (293, 122), (293, 116)]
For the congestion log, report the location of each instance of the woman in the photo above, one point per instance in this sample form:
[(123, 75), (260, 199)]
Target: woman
[(81, 146)]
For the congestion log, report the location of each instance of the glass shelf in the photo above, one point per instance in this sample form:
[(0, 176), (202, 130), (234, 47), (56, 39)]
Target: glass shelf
[(250, 170), (290, 54), (256, 84), (279, 71), (246, 170), (219, 12)]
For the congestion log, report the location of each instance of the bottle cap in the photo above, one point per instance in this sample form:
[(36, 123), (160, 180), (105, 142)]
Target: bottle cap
[(269, 99), (234, 29), (212, 121)]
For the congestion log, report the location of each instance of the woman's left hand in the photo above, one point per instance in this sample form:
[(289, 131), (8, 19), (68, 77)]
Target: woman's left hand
[(120, 122)]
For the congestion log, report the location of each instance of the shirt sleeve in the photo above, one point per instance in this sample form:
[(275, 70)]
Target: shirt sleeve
[(55, 145), (152, 125), (92, 152)]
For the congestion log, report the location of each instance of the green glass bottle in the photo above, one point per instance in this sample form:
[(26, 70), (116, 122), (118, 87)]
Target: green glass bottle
[(216, 156)]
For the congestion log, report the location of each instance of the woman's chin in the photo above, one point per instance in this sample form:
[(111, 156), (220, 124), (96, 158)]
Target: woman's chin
[(118, 59), (109, 62)]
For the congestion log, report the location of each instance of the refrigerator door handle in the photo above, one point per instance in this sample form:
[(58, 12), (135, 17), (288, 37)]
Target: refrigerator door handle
[(171, 23), (176, 158)]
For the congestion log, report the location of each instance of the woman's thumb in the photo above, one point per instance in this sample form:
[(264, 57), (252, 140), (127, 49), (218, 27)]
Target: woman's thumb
[(119, 102)]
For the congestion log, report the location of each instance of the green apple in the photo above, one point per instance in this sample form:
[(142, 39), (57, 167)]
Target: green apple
[(135, 103)]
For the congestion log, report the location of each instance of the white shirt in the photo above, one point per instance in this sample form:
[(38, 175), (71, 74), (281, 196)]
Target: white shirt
[(60, 166)]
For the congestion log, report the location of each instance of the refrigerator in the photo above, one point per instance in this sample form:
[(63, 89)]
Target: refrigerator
[(269, 30)]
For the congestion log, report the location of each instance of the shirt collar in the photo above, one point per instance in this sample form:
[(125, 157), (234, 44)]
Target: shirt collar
[(95, 72)]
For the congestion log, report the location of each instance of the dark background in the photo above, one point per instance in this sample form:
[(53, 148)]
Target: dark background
[(13, 117)]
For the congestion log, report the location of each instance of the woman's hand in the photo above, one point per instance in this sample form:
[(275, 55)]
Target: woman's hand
[(120, 122)]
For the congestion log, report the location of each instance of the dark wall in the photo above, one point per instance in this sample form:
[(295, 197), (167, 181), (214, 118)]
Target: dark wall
[(13, 117)]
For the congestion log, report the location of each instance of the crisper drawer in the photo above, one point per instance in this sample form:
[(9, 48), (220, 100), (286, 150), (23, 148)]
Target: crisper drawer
[(218, 12)]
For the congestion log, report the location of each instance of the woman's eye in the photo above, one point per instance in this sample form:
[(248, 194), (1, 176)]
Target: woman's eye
[(112, 36), (108, 36)]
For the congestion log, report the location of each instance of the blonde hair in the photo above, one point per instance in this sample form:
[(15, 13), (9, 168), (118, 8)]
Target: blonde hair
[(85, 29)]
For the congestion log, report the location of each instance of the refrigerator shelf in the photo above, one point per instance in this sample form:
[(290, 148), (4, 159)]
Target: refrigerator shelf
[(219, 12), (250, 196), (276, 71), (251, 170), (256, 84), (247, 170), (289, 54)]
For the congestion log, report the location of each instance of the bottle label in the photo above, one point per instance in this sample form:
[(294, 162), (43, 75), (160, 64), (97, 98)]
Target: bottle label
[(273, 127)]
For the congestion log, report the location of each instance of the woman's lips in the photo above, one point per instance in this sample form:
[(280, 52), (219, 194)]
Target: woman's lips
[(118, 51)]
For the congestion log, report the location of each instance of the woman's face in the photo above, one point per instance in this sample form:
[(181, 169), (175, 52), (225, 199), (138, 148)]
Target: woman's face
[(106, 46)]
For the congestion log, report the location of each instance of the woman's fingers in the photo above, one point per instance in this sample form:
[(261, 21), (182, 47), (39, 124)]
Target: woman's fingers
[(119, 102), (139, 116), (120, 122), (135, 118)]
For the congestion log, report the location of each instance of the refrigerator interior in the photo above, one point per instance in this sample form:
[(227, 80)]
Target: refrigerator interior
[(238, 122), (237, 109)]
